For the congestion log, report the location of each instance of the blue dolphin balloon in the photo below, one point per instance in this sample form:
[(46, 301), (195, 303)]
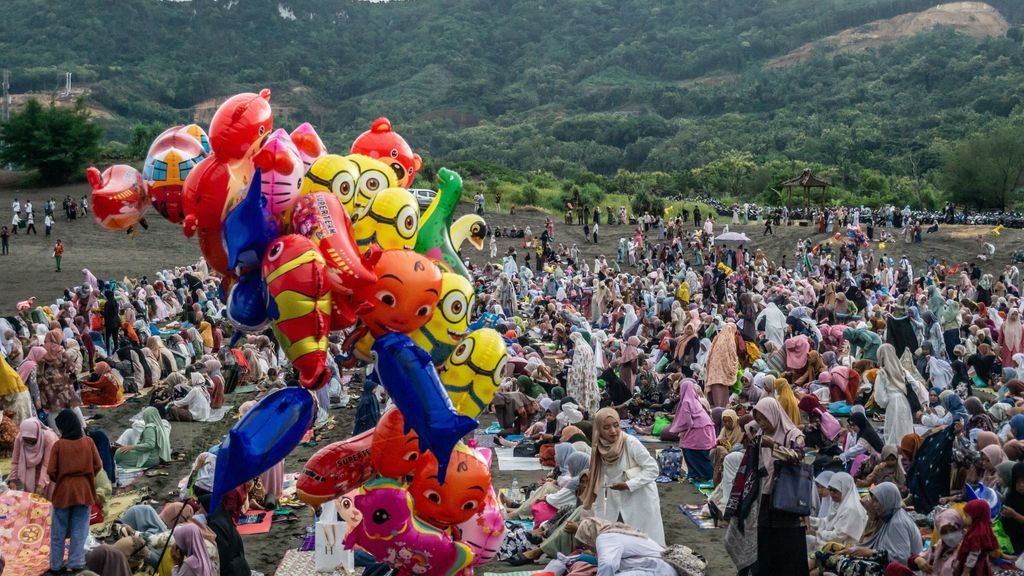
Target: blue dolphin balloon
[(408, 374), (247, 303), (263, 437), (248, 230)]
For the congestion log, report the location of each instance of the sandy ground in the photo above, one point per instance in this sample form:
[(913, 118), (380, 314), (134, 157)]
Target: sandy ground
[(28, 271)]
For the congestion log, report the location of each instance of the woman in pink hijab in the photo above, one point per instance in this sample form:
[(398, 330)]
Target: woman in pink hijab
[(628, 362), (696, 432), (31, 457), (189, 553)]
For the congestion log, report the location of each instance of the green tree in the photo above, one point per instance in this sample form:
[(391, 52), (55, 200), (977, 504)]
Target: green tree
[(142, 136), (529, 195), (727, 173), (647, 201), (57, 142), (987, 171)]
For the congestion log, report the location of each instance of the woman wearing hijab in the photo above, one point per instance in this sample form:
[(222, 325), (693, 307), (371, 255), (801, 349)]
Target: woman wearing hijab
[(189, 553), (14, 394), (74, 463), (823, 429), (888, 469), (722, 366), (620, 481), (1013, 508), (581, 382), (621, 548), (868, 445), (781, 540), (940, 559), (977, 417), (896, 538), (628, 362), (730, 435), (574, 465), (107, 561), (696, 433), (892, 385), (103, 387), (31, 457), (102, 442), (783, 392), (55, 389), (811, 370), (991, 457), (846, 517), (154, 446)]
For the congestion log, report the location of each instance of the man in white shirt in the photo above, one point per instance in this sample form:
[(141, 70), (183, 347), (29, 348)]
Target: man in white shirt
[(48, 222), (16, 208)]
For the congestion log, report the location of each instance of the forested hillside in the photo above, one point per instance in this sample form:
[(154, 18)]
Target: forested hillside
[(560, 85)]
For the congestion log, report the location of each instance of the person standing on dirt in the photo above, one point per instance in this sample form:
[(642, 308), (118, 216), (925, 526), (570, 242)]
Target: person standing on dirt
[(31, 223), (58, 252), (48, 223), (16, 208), (5, 237)]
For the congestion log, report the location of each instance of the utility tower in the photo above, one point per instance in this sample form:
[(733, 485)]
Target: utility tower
[(5, 103)]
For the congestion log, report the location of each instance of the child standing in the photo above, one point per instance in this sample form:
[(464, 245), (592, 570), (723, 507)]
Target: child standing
[(58, 252), (74, 463), (972, 559)]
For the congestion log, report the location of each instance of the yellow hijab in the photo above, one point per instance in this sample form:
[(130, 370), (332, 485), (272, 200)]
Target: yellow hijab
[(10, 382), (787, 400)]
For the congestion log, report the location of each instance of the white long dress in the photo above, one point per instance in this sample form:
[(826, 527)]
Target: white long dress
[(898, 419), (639, 506), (623, 555)]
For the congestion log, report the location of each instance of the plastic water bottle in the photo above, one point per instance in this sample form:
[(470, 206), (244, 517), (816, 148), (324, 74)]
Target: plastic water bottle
[(515, 486)]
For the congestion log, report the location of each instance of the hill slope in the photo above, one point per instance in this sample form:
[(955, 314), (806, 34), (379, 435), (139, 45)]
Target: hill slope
[(974, 18), (553, 84)]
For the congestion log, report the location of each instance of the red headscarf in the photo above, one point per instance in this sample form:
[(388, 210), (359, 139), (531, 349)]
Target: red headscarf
[(979, 537)]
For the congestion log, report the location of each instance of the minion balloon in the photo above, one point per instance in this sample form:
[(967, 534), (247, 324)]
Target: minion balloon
[(335, 174), (390, 219), (374, 176), (450, 322), (472, 373)]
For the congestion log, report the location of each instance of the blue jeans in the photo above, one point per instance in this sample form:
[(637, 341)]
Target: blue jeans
[(73, 522)]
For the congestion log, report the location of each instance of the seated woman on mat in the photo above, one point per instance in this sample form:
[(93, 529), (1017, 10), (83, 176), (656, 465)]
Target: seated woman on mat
[(153, 447), (103, 388)]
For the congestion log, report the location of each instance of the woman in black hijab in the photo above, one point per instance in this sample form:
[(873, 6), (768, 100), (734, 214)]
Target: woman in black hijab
[(866, 432)]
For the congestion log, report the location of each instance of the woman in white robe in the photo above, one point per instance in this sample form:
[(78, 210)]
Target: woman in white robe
[(620, 484), (622, 549), (891, 385)]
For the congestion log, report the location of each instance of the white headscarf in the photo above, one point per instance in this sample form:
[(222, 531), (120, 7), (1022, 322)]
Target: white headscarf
[(848, 517)]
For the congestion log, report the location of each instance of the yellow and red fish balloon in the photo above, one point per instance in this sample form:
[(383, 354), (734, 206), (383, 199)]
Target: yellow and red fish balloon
[(300, 306)]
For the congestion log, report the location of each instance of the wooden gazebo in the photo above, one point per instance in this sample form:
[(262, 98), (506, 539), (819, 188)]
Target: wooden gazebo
[(806, 180)]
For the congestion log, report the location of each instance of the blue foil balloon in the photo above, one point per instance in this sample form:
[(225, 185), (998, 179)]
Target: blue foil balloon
[(248, 230), (262, 438), (247, 303), (407, 373)]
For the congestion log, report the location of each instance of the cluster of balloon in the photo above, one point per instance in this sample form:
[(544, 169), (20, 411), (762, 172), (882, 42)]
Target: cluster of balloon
[(311, 243)]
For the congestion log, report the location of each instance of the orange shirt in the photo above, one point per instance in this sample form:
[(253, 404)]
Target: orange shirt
[(58, 250)]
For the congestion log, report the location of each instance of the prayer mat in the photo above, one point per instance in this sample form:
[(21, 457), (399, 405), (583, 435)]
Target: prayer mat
[(508, 462), (25, 532), (244, 389), (123, 399), (692, 511), (258, 523), (116, 506)]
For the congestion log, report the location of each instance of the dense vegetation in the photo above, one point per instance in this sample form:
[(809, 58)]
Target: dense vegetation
[(562, 86)]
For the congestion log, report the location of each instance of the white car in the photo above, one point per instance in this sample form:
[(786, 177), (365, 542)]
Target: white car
[(423, 196)]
